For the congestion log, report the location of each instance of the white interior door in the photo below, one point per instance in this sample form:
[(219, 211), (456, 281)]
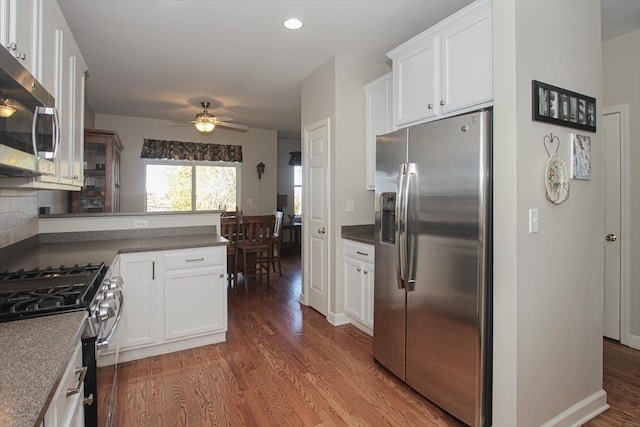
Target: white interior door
[(316, 223), (612, 225)]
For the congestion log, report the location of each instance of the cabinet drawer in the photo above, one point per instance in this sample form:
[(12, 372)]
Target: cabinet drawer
[(193, 258), (71, 381), (359, 251)]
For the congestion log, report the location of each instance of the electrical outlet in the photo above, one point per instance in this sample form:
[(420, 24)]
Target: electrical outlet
[(22, 214), (140, 223)]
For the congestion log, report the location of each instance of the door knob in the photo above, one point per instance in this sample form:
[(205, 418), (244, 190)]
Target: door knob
[(611, 238), (321, 230)]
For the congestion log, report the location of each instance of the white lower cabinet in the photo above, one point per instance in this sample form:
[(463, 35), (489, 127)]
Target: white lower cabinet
[(66, 408), (358, 270), (173, 300), (139, 321)]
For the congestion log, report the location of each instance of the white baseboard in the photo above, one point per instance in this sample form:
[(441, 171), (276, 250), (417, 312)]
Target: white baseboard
[(634, 341), (581, 412), (337, 319)]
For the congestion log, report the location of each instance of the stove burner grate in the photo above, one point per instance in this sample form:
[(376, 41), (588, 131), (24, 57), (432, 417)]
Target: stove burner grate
[(37, 292)]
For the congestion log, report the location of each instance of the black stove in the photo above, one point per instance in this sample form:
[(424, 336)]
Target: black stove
[(40, 292)]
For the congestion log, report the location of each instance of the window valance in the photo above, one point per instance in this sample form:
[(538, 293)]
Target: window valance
[(197, 151)]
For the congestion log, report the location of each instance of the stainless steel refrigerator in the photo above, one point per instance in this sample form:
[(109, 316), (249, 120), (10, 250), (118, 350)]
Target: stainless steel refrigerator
[(432, 292)]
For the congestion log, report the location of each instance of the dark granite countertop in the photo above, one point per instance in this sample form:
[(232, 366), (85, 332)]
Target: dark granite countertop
[(35, 353), (359, 233), (84, 248)]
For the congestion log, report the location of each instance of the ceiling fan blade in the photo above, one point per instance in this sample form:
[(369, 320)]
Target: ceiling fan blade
[(233, 126), (223, 119)]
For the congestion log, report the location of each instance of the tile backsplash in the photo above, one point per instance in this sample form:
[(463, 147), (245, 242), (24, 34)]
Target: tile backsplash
[(18, 215)]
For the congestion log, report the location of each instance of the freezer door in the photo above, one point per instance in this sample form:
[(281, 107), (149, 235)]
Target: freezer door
[(449, 227), (389, 299)]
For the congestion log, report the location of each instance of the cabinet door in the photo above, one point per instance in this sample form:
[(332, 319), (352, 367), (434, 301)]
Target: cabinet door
[(467, 62), (367, 293), (378, 120), (195, 302), (353, 288), (138, 326), (20, 22), (414, 82), (77, 87)]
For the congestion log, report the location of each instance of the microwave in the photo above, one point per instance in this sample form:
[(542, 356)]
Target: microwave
[(29, 124)]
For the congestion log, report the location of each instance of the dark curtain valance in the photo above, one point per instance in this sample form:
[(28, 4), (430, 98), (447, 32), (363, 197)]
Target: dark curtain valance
[(198, 151), (296, 158)]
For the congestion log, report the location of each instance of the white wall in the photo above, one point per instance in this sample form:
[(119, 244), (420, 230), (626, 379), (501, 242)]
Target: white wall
[(548, 286), (621, 85), (258, 145), (318, 103), (335, 90)]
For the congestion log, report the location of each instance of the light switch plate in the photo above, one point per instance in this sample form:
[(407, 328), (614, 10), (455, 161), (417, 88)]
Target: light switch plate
[(349, 206), (534, 221)]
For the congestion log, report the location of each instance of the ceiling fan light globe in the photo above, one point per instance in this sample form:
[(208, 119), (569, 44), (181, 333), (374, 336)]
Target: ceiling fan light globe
[(204, 126)]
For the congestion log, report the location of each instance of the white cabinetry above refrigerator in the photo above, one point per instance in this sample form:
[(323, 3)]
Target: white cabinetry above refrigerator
[(445, 70)]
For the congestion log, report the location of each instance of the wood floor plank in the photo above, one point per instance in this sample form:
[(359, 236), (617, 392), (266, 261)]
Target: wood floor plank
[(283, 364)]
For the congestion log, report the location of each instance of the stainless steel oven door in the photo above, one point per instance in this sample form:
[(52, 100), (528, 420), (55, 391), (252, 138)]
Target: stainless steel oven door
[(109, 311)]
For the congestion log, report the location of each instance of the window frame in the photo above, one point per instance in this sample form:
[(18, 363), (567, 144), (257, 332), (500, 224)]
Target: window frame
[(193, 164)]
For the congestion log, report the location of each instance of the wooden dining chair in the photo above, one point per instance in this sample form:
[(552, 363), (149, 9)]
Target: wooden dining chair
[(254, 249), (230, 230), (276, 242)]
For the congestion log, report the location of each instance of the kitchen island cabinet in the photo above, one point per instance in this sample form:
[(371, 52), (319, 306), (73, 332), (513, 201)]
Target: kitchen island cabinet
[(174, 300)]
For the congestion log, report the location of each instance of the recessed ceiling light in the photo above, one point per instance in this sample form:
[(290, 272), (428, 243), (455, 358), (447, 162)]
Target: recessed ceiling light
[(293, 24)]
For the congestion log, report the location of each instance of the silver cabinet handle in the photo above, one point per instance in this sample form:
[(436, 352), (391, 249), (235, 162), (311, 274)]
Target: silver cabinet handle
[(442, 102), (12, 46), (83, 372), (322, 230), (194, 259), (430, 106), (362, 253), (611, 238), (366, 272), (358, 269)]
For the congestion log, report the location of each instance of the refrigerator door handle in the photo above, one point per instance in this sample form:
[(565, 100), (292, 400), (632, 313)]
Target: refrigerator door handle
[(399, 227), (409, 243)]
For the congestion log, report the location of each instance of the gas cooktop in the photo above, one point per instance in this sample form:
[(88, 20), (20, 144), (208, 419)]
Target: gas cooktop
[(40, 292)]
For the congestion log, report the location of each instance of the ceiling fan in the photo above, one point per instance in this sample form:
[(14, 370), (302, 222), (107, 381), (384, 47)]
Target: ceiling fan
[(206, 122)]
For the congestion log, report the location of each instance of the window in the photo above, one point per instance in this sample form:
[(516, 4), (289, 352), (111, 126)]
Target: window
[(191, 186), (297, 190)]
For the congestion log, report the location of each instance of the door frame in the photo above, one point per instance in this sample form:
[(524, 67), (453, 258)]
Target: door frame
[(304, 296), (625, 225)]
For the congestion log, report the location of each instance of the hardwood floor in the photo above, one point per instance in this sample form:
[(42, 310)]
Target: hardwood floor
[(284, 364), (621, 381)]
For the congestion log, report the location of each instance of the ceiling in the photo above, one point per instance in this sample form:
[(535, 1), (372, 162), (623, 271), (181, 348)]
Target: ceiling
[(159, 59)]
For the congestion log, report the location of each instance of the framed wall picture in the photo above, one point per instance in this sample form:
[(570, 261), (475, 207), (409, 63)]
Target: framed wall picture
[(580, 156), (562, 107)]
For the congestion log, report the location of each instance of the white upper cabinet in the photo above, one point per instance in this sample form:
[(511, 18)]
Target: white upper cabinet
[(60, 68), (445, 70), (20, 21), (466, 61), (378, 120), (415, 79)]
